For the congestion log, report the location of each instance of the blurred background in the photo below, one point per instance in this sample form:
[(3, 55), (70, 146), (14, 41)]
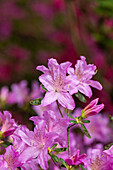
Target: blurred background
[(33, 31)]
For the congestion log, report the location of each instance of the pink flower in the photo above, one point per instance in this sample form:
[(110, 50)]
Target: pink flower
[(38, 143), (83, 73), (98, 160), (92, 108), (99, 129), (76, 159), (57, 83), (8, 125), (10, 160), (19, 93)]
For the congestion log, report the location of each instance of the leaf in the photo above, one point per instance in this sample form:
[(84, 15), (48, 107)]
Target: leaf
[(60, 149), (86, 121), (82, 168), (63, 162), (36, 101), (43, 87), (71, 116), (54, 146), (6, 144), (54, 158), (80, 97), (85, 131), (108, 146), (73, 121)]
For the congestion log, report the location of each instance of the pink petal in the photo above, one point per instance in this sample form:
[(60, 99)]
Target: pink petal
[(49, 98), (71, 70), (96, 84), (85, 89), (47, 81), (43, 69), (66, 100)]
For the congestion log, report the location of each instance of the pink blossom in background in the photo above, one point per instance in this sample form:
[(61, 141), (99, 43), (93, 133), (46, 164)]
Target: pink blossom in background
[(99, 129), (19, 93), (98, 160), (18, 52)]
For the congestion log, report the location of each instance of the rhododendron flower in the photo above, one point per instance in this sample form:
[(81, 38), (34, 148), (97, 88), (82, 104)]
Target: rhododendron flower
[(19, 93), (83, 73), (99, 129), (76, 159), (57, 83), (55, 124), (7, 125), (4, 92), (10, 160), (38, 143), (92, 108), (98, 160)]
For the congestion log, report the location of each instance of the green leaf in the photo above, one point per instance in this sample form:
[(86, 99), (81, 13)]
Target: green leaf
[(63, 162), (86, 121), (54, 158), (71, 116), (6, 144), (108, 146), (80, 97), (73, 121), (82, 168), (85, 131), (54, 146), (60, 149), (36, 101), (43, 87)]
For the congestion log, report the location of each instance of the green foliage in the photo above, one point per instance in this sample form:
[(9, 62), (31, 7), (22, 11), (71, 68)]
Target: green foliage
[(82, 168), (108, 146), (80, 97), (6, 144), (73, 121), (60, 149), (63, 162), (36, 101), (42, 86), (54, 158), (86, 121), (85, 130), (54, 146)]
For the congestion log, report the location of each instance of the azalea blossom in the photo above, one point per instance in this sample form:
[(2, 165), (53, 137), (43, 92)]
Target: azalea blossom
[(10, 160), (92, 108), (57, 83), (7, 125), (19, 93), (83, 73), (99, 129), (38, 143), (76, 159), (98, 160), (53, 124)]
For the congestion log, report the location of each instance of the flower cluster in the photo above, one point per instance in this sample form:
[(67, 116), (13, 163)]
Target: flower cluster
[(53, 143)]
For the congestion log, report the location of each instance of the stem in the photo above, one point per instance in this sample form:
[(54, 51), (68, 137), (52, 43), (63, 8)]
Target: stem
[(68, 139), (68, 142), (59, 108)]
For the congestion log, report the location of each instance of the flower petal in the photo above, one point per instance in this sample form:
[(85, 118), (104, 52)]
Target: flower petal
[(66, 100), (85, 89), (49, 98), (96, 84)]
